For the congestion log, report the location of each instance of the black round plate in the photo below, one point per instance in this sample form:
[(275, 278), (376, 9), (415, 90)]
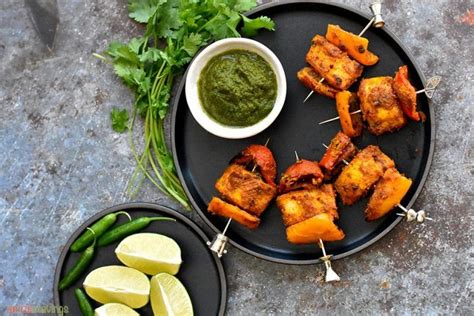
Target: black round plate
[(201, 273), (201, 157)]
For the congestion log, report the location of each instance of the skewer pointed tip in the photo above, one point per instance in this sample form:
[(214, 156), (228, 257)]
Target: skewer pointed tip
[(308, 96), (296, 155), (268, 141)]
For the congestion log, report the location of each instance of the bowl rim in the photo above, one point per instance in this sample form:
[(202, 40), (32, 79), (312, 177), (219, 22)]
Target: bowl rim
[(192, 96)]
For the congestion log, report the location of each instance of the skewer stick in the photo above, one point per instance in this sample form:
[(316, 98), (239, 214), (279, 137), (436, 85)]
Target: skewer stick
[(429, 90), (376, 21), (331, 275), (410, 214), (220, 240), (337, 117)]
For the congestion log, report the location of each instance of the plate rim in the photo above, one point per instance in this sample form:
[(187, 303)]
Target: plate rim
[(177, 97), (152, 207)]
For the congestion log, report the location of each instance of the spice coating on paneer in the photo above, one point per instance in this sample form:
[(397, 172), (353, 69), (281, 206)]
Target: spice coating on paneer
[(245, 189), (357, 178), (333, 64), (312, 80), (299, 205), (379, 105)]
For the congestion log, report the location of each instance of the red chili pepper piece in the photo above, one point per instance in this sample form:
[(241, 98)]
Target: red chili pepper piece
[(406, 94), (262, 157), (302, 174)]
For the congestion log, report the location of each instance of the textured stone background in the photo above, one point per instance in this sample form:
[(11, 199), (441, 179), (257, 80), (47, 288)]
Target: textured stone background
[(60, 163)]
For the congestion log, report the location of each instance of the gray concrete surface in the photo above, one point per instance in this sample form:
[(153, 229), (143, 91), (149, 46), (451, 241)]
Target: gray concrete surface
[(60, 163)]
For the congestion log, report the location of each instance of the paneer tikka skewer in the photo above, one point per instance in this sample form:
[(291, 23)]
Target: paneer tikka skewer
[(369, 169), (246, 194), (384, 103), (355, 46), (308, 208)]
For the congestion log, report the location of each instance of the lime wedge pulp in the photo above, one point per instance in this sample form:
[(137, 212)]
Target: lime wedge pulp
[(117, 284), (169, 297), (150, 253)]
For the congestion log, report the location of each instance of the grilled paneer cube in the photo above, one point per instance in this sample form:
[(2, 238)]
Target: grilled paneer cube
[(388, 193), (221, 208), (299, 205), (313, 229), (379, 105), (245, 189), (333, 64), (357, 178), (312, 80)]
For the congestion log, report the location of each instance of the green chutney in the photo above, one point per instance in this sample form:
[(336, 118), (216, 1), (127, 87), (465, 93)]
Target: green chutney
[(237, 88)]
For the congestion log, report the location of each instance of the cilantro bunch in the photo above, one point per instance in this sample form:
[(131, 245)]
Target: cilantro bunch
[(175, 31)]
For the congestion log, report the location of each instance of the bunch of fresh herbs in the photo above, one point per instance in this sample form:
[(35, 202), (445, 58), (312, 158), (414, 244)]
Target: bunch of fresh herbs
[(175, 31)]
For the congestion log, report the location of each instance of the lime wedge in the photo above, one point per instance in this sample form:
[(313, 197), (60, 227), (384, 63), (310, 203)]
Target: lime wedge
[(115, 309), (169, 297), (150, 253), (117, 284)]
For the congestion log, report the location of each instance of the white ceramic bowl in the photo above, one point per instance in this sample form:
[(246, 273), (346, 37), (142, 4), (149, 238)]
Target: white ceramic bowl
[(192, 95)]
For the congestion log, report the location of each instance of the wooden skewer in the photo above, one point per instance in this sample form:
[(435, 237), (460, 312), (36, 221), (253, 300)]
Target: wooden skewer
[(337, 117), (411, 214), (431, 86), (376, 20)]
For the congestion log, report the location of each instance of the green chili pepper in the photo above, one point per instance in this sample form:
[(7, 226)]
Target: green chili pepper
[(84, 304), (76, 271), (99, 227), (127, 229)]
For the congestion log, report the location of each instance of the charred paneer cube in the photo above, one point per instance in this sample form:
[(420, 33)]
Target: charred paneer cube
[(299, 205), (337, 68), (312, 80), (357, 178), (245, 189), (379, 105)]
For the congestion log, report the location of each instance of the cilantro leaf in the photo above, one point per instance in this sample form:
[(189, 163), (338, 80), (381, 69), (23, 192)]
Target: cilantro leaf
[(166, 19), (142, 10), (122, 53), (244, 5), (150, 55), (119, 120), (192, 43), (251, 26)]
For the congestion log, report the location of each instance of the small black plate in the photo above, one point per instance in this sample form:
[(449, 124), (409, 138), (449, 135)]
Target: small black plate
[(201, 273), (201, 157)]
